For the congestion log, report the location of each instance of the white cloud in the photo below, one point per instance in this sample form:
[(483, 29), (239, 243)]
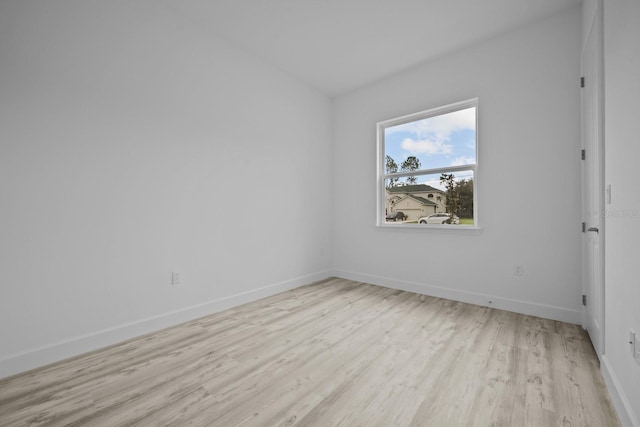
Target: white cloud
[(432, 133), (425, 146), (463, 160)]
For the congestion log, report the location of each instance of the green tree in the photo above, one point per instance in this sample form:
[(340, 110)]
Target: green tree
[(464, 188), (409, 165), (391, 167), (453, 196)]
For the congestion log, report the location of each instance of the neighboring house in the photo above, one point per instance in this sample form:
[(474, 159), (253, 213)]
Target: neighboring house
[(415, 201)]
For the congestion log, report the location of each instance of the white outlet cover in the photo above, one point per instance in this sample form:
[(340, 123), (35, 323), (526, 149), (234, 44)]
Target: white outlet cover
[(635, 345), (175, 278)]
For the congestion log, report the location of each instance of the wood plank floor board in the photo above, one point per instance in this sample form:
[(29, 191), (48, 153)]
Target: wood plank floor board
[(449, 384), (251, 370), (316, 322), (374, 370), (84, 380), (333, 353), (396, 403), (346, 374), (317, 354)]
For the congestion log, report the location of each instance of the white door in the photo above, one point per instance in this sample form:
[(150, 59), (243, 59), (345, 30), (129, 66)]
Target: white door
[(592, 179)]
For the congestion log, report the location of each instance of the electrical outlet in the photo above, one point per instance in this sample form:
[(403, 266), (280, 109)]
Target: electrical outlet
[(518, 270), (175, 278), (635, 345)]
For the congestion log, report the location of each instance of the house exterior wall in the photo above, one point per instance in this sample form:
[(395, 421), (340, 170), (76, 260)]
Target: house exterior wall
[(413, 209), (396, 202)]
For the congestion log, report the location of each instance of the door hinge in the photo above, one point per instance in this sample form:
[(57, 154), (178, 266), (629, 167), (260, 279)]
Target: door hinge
[(584, 300), (584, 227), (583, 154), (581, 81)]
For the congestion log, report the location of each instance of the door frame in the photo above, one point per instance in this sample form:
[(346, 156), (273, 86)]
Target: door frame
[(594, 34)]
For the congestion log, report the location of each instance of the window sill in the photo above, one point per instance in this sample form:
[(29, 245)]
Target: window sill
[(451, 229)]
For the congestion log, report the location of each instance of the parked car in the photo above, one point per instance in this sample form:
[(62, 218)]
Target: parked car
[(439, 218), (396, 216)]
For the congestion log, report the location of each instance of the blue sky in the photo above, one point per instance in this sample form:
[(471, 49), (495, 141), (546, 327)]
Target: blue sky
[(440, 141)]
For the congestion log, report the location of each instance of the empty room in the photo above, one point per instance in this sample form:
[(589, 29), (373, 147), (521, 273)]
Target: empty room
[(319, 213)]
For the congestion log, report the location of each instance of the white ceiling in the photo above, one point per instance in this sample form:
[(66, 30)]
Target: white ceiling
[(339, 45)]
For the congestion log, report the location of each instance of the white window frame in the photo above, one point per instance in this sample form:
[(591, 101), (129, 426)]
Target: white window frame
[(382, 176)]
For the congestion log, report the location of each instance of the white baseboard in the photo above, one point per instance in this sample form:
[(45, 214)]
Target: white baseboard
[(55, 352), (540, 310), (618, 396)]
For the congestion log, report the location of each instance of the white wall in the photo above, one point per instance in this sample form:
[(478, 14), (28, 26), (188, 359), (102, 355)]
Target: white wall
[(529, 175), (133, 144), (622, 149), (589, 10)]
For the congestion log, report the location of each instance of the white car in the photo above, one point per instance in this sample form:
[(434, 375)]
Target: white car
[(438, 218)]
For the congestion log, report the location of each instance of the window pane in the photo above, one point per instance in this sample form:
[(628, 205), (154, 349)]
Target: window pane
[(435, 142), (421, 198)]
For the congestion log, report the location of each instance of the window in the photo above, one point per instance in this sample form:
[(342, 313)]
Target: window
[(427, 166)]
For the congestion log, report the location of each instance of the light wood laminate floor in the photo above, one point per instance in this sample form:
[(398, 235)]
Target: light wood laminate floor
[(334, 353)]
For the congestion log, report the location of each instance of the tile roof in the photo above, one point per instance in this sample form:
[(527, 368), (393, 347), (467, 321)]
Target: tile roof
[(422, 200), (418, 188)]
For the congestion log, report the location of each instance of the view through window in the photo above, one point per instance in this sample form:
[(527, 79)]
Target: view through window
[(427, 167)]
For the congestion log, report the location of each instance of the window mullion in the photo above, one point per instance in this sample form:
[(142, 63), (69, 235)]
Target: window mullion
[(429, 171)]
